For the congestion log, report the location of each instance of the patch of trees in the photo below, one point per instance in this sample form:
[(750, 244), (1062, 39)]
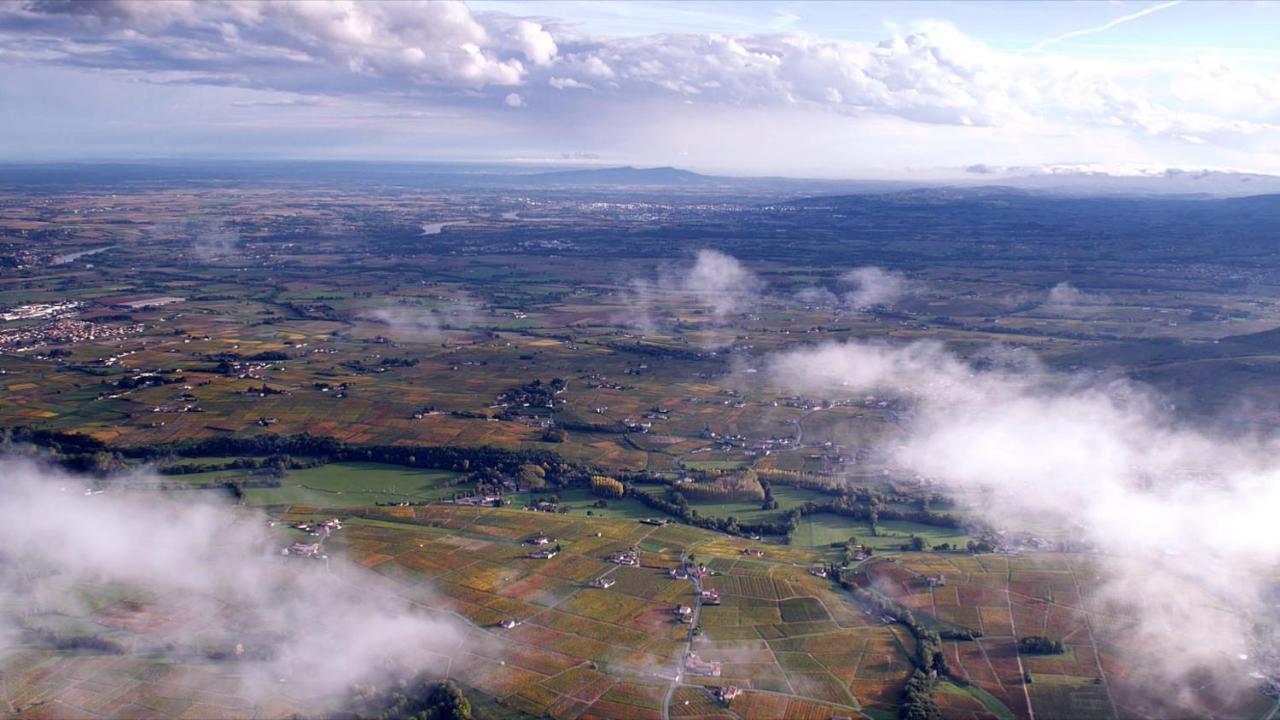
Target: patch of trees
[(272, 463), (606, 487), (554, 435), (419, 698), (917, 699), (739, 486), (803, 480), (535, 395), (149, 380), (1040, 645)]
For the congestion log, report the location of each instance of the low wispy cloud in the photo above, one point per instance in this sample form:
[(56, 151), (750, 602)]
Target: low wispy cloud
[(714, 282), (871, 286), (419, 323), (1066, 299), (300, 630), (1178, 512)]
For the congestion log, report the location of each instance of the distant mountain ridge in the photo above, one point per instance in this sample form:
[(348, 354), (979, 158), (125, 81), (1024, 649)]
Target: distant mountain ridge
[(627, 175)]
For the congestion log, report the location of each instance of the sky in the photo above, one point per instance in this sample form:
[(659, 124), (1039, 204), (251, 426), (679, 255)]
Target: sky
[(895, 90)]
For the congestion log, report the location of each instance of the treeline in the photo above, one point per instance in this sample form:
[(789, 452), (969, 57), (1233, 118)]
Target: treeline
[(276, 464), (84, 453)]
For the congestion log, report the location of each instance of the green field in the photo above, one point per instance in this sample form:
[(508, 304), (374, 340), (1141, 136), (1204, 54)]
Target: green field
[(823, 529), (345, 484)]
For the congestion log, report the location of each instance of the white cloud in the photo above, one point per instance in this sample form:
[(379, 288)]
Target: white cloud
[(1179, 513), (444, 55), (513, 100)]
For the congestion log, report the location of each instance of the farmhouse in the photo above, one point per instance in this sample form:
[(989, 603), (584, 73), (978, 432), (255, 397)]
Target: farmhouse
[(710, 597), (818, 572), (629, 558), (546, 554), (509, 623), (697, 666), (604, 583), (539, 540), (684, 613), (656, 521), (309, 550), (727, 693), (936, 580)]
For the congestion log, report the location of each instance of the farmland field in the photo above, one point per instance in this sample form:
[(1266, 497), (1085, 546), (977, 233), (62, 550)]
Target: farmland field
[(523, 414)]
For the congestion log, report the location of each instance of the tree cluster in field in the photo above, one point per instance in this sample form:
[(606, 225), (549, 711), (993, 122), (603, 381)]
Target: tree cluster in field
[(830, 485), (419, 698), (917, 699), (533, 395), (741, 486), (1040, 645), (606, 487)]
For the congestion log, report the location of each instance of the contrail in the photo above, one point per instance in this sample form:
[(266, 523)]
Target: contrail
[(1107, 26)]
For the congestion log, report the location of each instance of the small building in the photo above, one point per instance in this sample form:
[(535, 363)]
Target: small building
[(818, 572), (683, 613), (604, 583), (539, 540), (509, 623), (656, 521), (710, 597), (697, 666), (727, 693), (546, 554)]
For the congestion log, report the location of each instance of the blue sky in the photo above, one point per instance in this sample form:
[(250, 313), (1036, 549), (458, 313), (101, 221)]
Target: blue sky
[(844, 89)]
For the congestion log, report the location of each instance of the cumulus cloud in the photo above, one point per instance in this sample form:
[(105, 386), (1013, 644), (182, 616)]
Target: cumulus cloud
[(722, 282), (446, 52), (306, 630), (715, 282), (1178, 512), (874, 286)]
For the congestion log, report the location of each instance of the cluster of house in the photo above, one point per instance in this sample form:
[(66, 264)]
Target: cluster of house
[(752, 552), (697, 666), (630, 558), (545, 551), (938, 580), (487, 500), (321, 528), (62, 331), (684, 572)]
